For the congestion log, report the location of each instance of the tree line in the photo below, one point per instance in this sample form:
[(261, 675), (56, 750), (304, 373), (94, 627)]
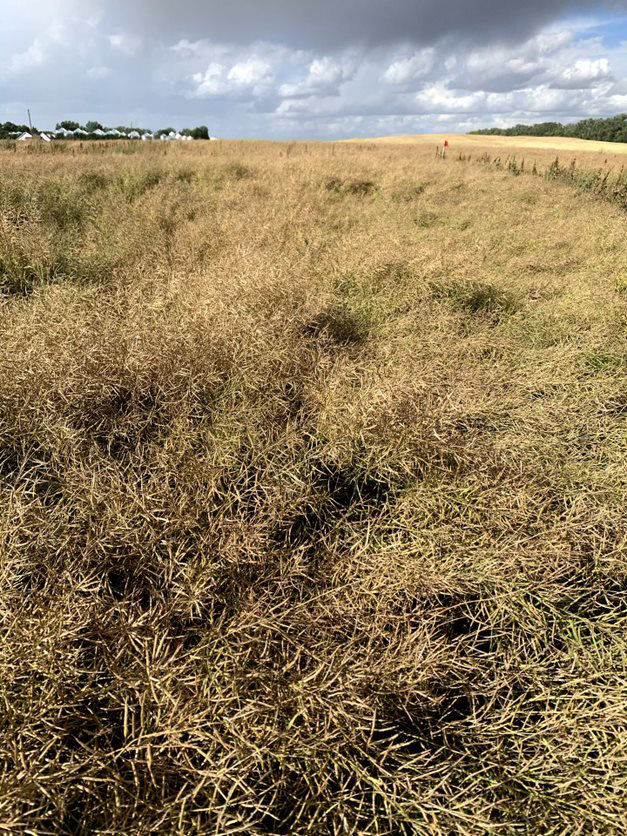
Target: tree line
[(8, 129), (612, 129)]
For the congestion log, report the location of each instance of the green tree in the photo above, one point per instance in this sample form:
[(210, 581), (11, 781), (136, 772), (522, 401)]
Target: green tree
[(68, 124), (613, 129), (9, 128), (201, 132)]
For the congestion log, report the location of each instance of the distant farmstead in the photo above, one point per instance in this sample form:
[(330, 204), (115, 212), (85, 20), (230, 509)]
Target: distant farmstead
[(28, 137), (95, 131)]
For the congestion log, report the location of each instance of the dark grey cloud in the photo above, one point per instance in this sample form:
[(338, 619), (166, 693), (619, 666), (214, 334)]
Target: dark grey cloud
[(330, 24)]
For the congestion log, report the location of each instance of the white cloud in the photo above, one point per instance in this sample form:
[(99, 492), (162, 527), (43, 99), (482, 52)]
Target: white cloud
[(583, 73), (617, 102), (34, 56), (250, 73), (211, 82), (324, 77), (98, 73), (551, 40), (501, 68), (405, 70), (125, 42), (244, 79), (187, 49), (438, 98)]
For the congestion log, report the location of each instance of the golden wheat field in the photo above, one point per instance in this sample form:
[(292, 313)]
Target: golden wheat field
[(466, 142), (312, 479)]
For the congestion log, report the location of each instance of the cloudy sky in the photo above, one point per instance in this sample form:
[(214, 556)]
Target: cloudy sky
[(317, 69)]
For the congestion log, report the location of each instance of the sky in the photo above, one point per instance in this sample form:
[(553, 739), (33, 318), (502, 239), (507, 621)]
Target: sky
[(312, 69)]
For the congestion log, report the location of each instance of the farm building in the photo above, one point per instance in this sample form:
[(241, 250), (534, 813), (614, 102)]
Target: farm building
[(28, 137)]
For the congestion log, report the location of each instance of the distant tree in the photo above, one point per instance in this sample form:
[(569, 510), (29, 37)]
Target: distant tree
[(186, 132), (68, 124), (8, 128), (90, 127), (164, 131), (613, 129), (201, 132)]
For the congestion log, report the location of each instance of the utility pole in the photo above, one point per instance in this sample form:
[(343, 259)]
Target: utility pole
[(30, 124)]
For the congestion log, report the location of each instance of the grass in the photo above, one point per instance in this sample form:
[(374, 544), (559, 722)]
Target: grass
[(312, 467), (605, 182)]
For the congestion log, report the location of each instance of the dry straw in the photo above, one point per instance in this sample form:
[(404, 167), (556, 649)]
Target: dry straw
[(312, 479)]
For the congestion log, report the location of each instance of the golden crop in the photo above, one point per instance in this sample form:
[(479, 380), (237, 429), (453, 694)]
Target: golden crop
[(312, 481)]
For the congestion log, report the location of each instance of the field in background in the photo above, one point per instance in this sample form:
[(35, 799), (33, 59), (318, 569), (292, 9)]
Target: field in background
[(466, 142), (312, 491)]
